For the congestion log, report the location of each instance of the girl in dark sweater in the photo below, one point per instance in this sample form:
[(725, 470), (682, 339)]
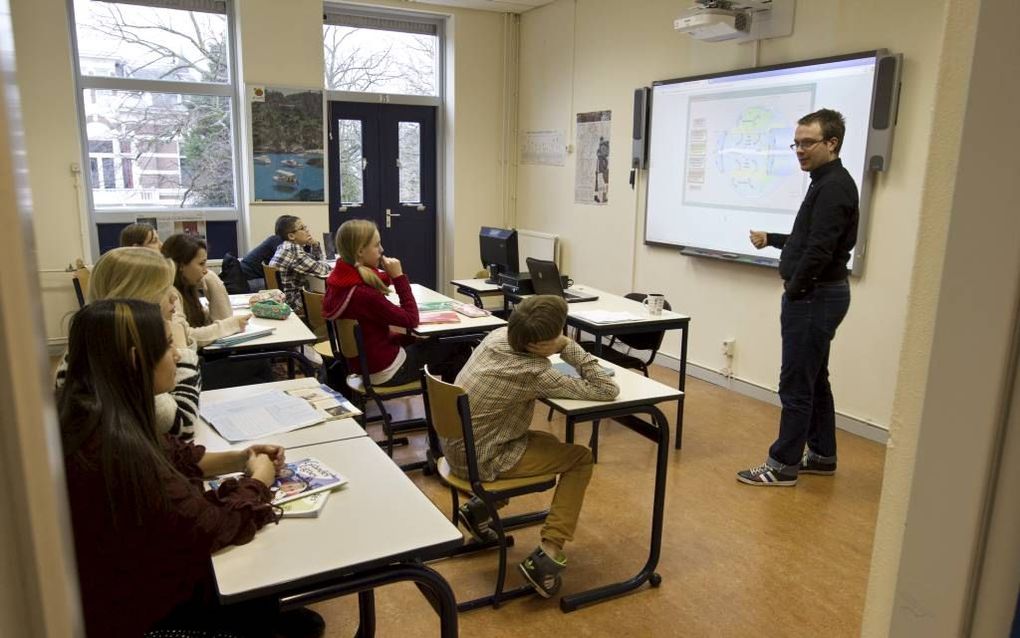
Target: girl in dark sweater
[(144, 527)]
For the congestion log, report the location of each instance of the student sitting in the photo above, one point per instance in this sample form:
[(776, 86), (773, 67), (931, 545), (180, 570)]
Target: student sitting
[(140, 234), (294, 264), (144, 527), (251, 264), (145, 275), (503, 378), (357, 289), (207, 324)]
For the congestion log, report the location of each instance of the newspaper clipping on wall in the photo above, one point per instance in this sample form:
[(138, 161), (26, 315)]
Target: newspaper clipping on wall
[(591, 181)]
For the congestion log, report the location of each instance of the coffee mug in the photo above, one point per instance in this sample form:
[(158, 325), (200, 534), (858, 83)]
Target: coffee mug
[(654, 303)]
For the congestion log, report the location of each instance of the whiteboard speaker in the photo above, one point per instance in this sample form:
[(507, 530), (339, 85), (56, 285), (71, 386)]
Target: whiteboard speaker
[(639, 158), (884, 108)]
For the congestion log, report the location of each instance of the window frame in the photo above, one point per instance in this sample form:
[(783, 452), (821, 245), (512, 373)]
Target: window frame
[(91, 84)]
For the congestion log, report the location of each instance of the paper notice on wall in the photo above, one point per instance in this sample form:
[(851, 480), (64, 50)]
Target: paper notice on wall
[(544, 148), (591, 181)]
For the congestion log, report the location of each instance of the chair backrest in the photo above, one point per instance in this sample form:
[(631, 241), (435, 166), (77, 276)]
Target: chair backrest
[(80, 281), (313, 312), (644, 340), (448, 415), (272, 281), (346, 339)]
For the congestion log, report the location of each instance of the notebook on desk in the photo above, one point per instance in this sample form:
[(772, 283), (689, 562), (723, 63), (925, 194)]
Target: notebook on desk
[(545, 279)]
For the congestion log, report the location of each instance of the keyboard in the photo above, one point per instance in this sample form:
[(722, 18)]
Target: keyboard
[(575, 296)]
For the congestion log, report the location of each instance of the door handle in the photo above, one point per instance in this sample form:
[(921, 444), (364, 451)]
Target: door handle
[(343, 209), (389, 217), (420, 208)]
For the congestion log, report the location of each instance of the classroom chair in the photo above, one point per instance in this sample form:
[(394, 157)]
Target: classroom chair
[(346, 341), (80, 281), (272, 281), (449, 416)]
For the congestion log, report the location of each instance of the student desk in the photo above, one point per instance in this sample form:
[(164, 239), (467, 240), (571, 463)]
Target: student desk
[(328, 431), (374, 531), (607, 301), (477, 289), (289, 334), (466, 327), (638, 395)]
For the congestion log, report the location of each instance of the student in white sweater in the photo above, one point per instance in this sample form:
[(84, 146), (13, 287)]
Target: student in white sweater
[(139, 273), (192, 277)]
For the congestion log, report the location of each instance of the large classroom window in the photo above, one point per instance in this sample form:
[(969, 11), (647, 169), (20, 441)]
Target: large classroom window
[(380, 53), (157, 102)]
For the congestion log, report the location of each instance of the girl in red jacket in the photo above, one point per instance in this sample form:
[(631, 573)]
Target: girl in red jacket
[(357, 289)]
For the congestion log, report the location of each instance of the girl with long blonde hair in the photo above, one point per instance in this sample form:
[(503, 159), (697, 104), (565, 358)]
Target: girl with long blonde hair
[(143, 274), (357, 289)]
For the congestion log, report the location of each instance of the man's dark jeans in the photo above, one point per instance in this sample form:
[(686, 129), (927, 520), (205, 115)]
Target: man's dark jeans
[(808, 326)]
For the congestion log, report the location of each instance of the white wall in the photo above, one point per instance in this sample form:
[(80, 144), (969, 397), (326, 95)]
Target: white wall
[(588, 55), (280, 44)]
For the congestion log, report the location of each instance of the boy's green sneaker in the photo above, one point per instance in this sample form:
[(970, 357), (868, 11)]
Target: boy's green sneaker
[(475, 517), (543, 572)]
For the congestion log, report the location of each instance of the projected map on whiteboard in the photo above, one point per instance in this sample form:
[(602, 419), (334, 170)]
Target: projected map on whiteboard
[(738, 154)]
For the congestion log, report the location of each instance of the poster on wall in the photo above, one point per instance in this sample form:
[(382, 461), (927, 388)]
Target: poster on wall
[(287, 145), (543, 148), (591, 180)]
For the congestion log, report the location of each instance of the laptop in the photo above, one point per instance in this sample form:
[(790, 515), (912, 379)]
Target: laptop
[(545, 279), (328, 247)]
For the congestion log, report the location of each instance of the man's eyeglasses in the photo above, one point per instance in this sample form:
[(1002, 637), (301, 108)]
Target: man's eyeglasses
[(806, 145)]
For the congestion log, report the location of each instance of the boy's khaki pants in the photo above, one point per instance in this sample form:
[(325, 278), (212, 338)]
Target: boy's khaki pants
[(546, 454)]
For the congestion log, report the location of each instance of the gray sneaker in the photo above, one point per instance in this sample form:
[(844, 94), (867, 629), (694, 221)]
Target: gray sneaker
[(475, 517), (542, 572)]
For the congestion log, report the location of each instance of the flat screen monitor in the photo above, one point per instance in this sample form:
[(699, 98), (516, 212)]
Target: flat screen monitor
[(499, 251)]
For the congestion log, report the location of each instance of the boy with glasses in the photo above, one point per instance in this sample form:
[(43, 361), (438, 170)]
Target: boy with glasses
[(294, 264), (816, 298)]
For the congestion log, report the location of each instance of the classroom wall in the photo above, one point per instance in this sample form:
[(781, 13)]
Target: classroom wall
[(280, 44), (587, 55)]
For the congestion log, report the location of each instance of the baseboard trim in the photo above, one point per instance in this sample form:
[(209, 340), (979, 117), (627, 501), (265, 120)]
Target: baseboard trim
[(853, 425)]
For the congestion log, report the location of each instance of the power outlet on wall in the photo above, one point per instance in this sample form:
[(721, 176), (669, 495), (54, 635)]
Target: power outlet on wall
[(728, 345)]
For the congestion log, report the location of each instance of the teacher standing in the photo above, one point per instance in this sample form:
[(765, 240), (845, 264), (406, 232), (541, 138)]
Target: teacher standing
[(816, 298)]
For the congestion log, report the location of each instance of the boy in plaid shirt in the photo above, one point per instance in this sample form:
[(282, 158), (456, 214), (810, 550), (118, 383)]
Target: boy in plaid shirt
[(294, 264), (503, 378)]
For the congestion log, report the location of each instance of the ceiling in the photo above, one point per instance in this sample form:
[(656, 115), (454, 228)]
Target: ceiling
[(502, 6)]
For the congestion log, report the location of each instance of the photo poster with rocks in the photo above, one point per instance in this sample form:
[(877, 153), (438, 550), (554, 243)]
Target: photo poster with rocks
[(591, 181), (287, 141)]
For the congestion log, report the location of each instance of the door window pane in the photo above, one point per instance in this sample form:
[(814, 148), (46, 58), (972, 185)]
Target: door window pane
[(181, 146), (351, 162), (409, 162), (379, 61), (149, 43)]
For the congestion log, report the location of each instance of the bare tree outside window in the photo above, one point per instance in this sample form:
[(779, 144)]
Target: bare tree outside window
[(377, 61), (176, 149)]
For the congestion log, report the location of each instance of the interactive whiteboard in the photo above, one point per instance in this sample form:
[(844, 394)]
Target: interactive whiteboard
[(720, 162)]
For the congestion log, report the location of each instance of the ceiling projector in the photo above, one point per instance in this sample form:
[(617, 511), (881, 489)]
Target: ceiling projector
[(712, 25)]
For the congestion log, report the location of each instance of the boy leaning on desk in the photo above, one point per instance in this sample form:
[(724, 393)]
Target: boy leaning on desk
[(503, 378)]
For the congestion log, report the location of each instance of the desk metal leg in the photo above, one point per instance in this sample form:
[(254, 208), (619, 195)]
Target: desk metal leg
[(434, 586), (366, 614), (659, 432), (682, 386)]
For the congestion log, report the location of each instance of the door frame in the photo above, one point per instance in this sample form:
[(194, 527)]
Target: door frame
[(444, 203)]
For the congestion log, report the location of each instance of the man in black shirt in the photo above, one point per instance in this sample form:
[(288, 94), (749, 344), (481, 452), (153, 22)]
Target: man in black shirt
[(816, 298)]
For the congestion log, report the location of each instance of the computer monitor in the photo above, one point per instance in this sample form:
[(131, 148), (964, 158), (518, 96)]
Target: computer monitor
[(499, 252)]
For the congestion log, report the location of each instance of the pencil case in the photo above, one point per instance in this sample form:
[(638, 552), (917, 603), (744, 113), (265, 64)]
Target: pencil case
[(270, 309)]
